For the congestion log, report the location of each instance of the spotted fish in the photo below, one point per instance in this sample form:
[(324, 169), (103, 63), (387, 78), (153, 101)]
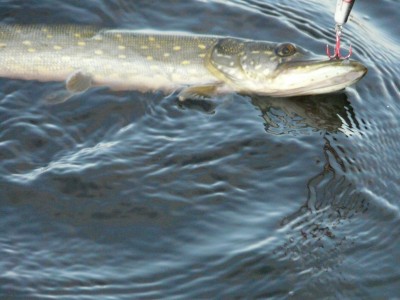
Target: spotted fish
[(198, 66)]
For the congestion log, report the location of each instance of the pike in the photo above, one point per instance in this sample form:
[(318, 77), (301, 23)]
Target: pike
[(197, 66)]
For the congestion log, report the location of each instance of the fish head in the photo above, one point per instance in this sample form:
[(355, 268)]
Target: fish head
[(282, 70)]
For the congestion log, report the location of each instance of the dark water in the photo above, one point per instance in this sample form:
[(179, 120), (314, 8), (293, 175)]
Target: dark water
[(134, 196)]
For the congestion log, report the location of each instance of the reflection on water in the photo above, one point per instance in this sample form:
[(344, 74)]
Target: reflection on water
[(319, 232), (206, 106), (332, 201), (300, 114), (330, 113)]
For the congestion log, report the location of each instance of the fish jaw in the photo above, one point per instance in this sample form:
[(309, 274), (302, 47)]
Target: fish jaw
[(279, 70), (314, 77)]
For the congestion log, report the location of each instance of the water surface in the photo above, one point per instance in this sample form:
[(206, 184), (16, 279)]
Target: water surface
[(131, 195)]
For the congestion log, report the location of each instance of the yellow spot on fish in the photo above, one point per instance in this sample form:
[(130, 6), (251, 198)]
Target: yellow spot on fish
[(77, 35), (119, 35), (113, 76), (27, 43), (186, 62), (31, 50), (149, 57), (122, 56), (202, 55), (151, 39), (177, 48), (255, 52), (121, 47), (166, 54), (98, 52), (98, 38), (268, 52), (202, 46), (144, 47), (45, 29), (49, 36), (2, 45), (56, 47), (81, 43), (176, 77)]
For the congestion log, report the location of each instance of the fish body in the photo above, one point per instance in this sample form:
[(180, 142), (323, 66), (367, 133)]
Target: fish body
[(198, 65)]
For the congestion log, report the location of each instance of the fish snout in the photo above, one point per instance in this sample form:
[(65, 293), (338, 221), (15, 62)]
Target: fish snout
[(349, 71)]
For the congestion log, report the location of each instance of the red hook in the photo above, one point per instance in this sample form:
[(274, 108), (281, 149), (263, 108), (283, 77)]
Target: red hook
[(337, 54)]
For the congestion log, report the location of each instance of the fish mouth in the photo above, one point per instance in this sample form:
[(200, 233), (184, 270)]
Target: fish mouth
[(317, 76)]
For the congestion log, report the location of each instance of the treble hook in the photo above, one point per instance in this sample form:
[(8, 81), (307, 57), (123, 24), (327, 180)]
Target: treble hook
[(337, 54)]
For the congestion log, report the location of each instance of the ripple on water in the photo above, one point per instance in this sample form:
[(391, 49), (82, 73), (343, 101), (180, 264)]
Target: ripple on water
[(121, 194)]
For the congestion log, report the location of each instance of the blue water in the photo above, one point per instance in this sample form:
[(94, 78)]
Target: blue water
[(136, 196)]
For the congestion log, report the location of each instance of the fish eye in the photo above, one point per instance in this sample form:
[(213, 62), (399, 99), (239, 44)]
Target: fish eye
[(285, 50)]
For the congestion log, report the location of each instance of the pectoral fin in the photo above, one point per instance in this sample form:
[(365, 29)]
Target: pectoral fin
[(78, 82), (198, 92), (58, 97)]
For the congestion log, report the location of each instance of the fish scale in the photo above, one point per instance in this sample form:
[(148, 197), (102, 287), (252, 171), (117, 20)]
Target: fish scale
[(198, 65), (114, 58)]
